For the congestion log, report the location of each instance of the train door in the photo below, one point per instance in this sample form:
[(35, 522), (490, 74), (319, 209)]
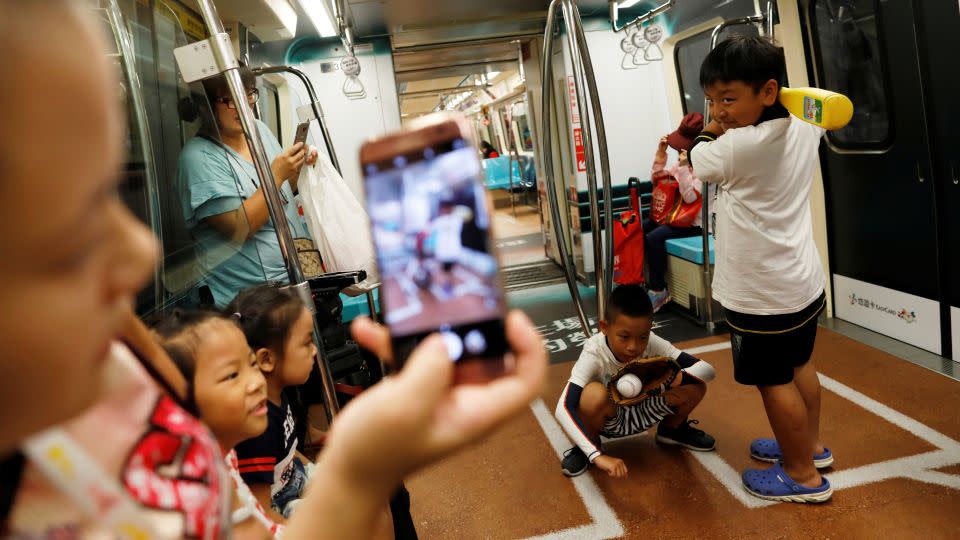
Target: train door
[(938, 40), (520, 234), (881, 208)]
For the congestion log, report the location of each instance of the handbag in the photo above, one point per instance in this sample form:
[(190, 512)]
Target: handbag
[(667, 206), (628, 242), (338, 223)]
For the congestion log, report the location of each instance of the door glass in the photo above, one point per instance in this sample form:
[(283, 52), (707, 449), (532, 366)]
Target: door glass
[(522, 124), (849, 62), (690, 53), (269, 106), (164, 115)]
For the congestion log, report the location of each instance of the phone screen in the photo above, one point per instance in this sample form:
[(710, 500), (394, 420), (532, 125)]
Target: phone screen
[(431, 228), (301, 135)]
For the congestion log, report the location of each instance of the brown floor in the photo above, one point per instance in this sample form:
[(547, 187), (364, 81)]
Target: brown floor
[(511, 485)]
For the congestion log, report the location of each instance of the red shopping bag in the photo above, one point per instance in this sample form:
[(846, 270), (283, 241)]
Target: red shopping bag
[(628, 242), (667, 206)]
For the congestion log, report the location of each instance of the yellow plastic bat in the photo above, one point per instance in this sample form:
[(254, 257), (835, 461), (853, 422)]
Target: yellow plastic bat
[(817, 106)]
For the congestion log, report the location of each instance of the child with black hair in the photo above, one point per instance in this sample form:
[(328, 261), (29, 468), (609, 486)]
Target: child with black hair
[(279, 329), (585, 409), (226, 389), (768, 273)]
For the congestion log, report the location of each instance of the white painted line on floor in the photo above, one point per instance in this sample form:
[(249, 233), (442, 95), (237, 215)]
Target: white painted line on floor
[(605, 523), (918, 467), (729, 478), (898, 419), (708, 348)]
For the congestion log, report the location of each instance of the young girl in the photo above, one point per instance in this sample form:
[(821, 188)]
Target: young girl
[(279, 329), (227, 389), (74, 260), (656, 235)]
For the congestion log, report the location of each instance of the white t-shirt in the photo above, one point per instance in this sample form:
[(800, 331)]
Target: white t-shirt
[(448, 228), (766, 259)]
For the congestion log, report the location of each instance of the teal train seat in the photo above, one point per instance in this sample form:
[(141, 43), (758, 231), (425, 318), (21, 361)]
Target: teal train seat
[(689, 249)]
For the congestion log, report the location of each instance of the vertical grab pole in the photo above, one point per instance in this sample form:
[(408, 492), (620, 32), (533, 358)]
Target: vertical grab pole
[(579, 77), (705, 211), (274, 204), (591, 84), (546, 151)]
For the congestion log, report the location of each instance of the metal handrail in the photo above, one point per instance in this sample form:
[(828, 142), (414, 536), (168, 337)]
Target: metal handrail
[(314, 104), (274, 205), (583, 76), (546, 76), (614, 14), (602, 249), (705, 190), (129, 62), (327, 140)]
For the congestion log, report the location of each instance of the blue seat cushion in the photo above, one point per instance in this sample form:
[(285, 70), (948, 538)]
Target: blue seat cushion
[(355, 306), (690, 249)]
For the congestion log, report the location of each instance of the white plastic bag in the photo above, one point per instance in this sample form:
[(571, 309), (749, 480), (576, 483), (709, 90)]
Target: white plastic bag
[(338, 224)]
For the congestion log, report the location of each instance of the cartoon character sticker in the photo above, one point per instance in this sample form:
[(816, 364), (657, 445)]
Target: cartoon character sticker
[(173, 468), (652, 35), (627, 46), (639, 55)]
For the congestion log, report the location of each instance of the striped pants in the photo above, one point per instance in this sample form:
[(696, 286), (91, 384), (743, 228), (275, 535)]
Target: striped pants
[(636, 418)]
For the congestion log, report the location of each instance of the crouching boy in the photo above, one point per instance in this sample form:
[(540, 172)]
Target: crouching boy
[(585, 409)]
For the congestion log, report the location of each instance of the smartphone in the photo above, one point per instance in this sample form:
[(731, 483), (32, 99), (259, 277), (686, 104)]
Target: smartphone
[(301, 136), (430, 221)]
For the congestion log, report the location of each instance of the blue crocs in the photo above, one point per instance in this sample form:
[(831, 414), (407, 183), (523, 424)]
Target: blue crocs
[(766, 449), (773, 484)]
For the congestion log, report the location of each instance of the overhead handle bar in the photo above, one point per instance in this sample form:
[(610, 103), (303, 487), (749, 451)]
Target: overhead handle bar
[(314, 104)]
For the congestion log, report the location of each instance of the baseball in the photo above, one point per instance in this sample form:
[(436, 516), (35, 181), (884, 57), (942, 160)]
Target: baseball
[(629, 385)]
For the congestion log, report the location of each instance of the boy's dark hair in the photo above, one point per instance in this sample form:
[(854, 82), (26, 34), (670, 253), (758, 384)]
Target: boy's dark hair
[(178, 337), (629, 300), (751, 59), (266, 315)]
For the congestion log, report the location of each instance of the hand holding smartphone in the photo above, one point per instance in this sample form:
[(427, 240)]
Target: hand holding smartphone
[(431, 228)]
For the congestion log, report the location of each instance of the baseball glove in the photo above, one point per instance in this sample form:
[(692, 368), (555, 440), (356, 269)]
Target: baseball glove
[(656, 374)]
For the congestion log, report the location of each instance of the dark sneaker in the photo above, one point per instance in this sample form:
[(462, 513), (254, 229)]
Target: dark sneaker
[(687, 436), (574, 462)]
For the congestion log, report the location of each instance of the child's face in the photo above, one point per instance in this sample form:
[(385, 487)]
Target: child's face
[(299, 351), (627, 336), (230, 390), (73, 255), (734, 104)]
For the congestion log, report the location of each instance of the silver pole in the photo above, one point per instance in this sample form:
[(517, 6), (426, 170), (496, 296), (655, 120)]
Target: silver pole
[(591, 84), (769, 16), (574, 37), (546, 150), (705, 190), (129, 63), (274, 204)]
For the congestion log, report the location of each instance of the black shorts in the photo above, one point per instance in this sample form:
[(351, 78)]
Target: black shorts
[(767, 348), (448, 266)]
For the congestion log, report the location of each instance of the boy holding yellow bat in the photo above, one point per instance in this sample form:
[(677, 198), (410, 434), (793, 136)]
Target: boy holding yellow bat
[(768, 274)]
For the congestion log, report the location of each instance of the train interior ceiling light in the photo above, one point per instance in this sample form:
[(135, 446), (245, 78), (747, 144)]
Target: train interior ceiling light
[(321, 16)]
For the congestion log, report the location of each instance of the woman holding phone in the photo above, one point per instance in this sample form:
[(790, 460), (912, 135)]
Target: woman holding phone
[(224, 205)]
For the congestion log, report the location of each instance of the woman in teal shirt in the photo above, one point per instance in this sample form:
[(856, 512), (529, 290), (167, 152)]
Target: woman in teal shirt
[(223, 202)]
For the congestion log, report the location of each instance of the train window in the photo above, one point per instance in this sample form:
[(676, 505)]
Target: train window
[(848, 61), (689, 54), (269, 107)]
